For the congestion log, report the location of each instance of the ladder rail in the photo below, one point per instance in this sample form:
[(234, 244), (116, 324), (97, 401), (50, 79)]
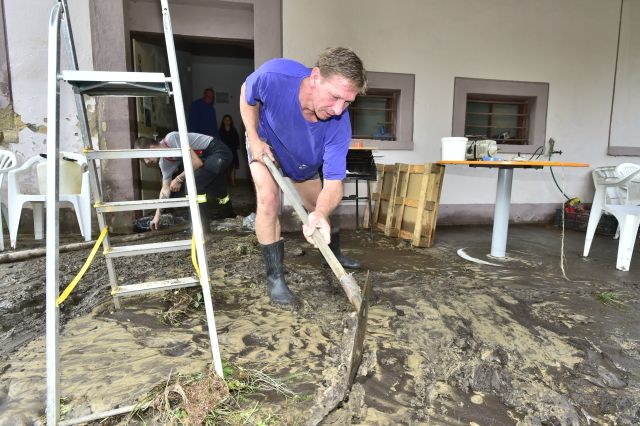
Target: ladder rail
[(196, 222), (145, 89), (52, 216), (136, 205), (60, 31), (95, 184), (111, 154)]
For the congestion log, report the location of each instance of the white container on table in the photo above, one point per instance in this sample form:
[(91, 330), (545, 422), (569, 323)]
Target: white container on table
[(454, 148)]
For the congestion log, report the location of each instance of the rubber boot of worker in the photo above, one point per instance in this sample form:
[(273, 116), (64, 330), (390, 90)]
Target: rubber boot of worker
[(205, 218), (273, 255), (222, 208), (334, 245)]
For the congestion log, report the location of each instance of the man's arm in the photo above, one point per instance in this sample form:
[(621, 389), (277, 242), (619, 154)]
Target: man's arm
[(176, 183), (165, 192), (250, 114), (328, 199)]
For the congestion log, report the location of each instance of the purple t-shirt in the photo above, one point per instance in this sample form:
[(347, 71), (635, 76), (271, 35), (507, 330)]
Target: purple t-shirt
[(300, 146)]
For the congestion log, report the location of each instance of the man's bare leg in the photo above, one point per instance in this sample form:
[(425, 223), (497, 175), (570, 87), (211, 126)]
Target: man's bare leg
[(268, 233), (268, 204)]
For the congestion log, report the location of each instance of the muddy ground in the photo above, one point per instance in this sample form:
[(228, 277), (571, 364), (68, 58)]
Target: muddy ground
[(449, 341)]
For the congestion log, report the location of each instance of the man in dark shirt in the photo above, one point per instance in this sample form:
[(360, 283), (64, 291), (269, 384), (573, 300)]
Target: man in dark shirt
[(202, 115)]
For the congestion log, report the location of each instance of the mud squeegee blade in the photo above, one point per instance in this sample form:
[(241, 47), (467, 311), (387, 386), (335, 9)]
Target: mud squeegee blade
[(361, 328)]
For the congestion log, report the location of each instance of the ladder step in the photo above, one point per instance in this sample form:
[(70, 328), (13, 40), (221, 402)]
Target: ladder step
[(114, 83), (139, 249), (124, 206), (110, 154), (152, 286)]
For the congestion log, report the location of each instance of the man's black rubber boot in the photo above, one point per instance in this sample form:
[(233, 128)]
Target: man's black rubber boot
[(222, 211), (205, 217), (334, 245), (273, 255)]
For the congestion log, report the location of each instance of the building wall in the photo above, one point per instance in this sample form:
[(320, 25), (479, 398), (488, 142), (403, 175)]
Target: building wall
[(23, 95), (24, 120), (101, 36), (571, 44), (195, 18)]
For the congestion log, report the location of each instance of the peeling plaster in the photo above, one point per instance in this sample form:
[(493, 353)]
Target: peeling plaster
[(92, 118), (11, 124), (31, 137)]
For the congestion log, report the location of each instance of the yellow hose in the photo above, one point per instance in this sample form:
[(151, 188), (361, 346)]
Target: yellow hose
[(67, 291)]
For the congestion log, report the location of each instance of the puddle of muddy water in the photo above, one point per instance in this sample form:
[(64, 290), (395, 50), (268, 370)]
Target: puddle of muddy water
[(448, 342)]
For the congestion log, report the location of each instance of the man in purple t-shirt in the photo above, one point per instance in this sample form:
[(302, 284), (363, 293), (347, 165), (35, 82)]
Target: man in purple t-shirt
[(298, 117)]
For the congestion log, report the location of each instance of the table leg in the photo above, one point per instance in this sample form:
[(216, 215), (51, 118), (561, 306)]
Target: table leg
[(370, 221), (501, 213), (357, 199)]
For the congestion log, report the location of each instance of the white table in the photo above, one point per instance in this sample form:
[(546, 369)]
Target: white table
[(503, 193)]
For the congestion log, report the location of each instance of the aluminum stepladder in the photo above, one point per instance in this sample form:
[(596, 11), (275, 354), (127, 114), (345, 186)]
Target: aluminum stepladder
[(126, 84)]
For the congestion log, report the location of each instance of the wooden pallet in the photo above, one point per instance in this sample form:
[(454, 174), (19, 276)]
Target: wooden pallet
[(366, 222), (381, 197), (407, 201)]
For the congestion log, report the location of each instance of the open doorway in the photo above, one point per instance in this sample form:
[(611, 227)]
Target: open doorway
[(203, 62)]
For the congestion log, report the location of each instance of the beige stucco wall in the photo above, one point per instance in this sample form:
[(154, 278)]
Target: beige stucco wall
[(24, 129), (101, 32), (571, 44), (195, 18)]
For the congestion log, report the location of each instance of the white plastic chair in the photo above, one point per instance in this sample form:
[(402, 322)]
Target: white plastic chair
[(618, 193), (81, 201), (7, 162), (631, 191)]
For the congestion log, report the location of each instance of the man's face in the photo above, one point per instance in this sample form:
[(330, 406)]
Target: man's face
[(331, 95), (208, 96)]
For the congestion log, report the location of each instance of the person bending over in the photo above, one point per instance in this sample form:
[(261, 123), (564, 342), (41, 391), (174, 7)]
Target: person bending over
[(298, 117), (210, 158)]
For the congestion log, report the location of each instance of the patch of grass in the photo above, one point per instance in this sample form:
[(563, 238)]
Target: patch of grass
[(247, 248), (610, 298), (64, 407), (233, 415), (204, 398), (181, 303)]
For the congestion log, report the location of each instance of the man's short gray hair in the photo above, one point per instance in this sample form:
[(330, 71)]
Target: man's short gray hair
[(343, 62)]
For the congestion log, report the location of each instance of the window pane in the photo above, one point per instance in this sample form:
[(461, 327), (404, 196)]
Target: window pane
[(373, 115), (500, 118), (477, 118)]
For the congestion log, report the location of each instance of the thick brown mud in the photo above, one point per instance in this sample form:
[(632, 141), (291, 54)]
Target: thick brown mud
[(448, 341)]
